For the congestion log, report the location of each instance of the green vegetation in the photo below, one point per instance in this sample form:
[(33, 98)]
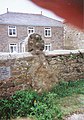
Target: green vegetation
[(64, 99)]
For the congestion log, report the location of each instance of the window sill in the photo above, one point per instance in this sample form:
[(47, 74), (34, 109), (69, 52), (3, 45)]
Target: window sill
[(47, 36), (12, 36)]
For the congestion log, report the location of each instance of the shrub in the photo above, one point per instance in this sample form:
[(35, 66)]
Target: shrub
[(18, 105), (22, 101), (43, 107), (26, 103), (64, 88), (5, 109)]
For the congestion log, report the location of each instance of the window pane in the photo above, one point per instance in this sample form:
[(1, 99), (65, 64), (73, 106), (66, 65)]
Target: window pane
[(11, 26), (30, 30), (13, 31), (46, 48), (11, 49), (10, 31), (46, 32), (14, 48), (49, 48)]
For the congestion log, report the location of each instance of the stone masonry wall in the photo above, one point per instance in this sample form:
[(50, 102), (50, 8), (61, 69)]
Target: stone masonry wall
[(56, 39), (24, 71), (73, 37)]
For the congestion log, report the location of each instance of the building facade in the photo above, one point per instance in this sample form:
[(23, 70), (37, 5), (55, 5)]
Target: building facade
[(15, 29), (73, 37)]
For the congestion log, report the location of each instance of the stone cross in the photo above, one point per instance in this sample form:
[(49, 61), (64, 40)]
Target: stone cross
[(41, 73), (35, 44)]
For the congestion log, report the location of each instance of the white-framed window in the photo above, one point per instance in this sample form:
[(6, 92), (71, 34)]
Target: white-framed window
[(30, 30), (47, 47), (12, 32), (13, 48), (47, 32)]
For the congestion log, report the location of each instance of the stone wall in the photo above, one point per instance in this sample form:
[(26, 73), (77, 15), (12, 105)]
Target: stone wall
[(39, 72), (73, 37), (56, 39)]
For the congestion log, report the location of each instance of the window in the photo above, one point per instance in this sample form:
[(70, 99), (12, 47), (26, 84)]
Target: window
[(31, 30), (47, 47), (12, 31), (13, 48), (47, 32)]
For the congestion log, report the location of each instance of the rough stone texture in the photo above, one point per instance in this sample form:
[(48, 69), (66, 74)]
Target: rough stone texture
[(56, 39), (73, 37), (40, 72), (35, 44)]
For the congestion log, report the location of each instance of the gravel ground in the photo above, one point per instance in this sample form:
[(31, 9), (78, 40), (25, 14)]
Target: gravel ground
[(76, 117)]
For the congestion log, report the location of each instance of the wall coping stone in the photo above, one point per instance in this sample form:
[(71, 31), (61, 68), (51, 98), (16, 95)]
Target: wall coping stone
[(6, 56), (63, 52)]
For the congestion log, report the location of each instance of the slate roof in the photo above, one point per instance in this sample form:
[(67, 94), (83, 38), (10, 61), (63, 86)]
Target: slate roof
[(15, 18)]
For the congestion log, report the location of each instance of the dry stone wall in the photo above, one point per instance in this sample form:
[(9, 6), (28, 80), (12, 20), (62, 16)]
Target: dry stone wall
[(39, 72)]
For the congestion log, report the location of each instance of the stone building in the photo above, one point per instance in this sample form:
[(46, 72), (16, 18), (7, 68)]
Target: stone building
[(15, 28), (73, 37)]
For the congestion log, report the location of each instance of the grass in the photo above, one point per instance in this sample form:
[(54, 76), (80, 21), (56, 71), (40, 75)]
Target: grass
[(72, 104), (70, 97), (22, 119), (64, 99)]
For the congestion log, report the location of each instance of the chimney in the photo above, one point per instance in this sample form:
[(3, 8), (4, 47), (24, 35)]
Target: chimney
[(7, 10), (41, 12)]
